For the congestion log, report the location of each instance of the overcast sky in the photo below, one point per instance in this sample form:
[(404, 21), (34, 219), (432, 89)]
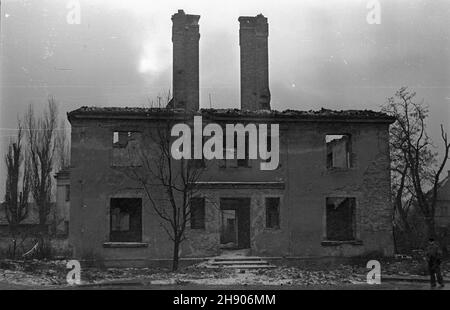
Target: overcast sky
[(323, 53)]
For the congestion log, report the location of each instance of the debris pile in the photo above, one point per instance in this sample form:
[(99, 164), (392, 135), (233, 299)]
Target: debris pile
[(36, 273)]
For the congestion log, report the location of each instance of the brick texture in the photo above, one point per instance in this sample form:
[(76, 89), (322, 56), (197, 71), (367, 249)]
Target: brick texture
[(253, 40)]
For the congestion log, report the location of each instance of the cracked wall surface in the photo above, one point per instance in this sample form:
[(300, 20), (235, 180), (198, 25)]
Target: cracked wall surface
[(304, 183)]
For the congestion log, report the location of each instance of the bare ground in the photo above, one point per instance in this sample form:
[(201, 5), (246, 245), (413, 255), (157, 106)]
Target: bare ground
[(53, 274)]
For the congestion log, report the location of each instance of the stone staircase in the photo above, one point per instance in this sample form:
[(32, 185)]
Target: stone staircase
[(239, 262)]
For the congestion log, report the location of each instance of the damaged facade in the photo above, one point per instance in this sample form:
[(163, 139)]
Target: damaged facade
[(329, 196)]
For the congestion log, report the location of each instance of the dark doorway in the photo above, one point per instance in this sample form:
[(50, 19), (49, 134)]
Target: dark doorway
[(235, 219), (229, 236)]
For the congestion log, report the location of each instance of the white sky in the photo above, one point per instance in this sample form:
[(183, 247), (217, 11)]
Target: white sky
[(322, 54)]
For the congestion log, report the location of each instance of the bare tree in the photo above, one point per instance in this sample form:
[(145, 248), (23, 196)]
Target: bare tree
[(400, 178), (168, 184), (41, 133), (416, 167), (63, 145), (17, 186)]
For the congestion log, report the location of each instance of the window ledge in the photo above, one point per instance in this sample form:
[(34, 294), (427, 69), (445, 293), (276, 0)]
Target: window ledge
[(125, 245), (236, 167), (340, 169), (337, 243), (272, 229)]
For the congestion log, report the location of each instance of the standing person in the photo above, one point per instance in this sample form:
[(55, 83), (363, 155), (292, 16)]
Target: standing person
[(434, 256)]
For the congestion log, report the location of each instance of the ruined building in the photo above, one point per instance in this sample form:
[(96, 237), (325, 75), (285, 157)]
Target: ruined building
[(329, 196)]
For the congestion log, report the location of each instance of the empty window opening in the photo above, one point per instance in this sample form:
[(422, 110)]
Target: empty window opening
[(126, 149), (126, 220), (197, 213), (235, 162), (340, 219), (226, 150), (122, 138), (115, 137), (338, 151), (273, 212)]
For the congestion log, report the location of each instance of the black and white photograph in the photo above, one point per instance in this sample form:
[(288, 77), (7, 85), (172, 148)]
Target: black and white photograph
[(244, 148)]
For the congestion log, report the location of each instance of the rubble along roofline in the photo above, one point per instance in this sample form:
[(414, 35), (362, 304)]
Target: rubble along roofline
[(235, 114)]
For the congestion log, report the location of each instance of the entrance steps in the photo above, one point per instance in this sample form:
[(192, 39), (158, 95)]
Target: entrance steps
[(239, 262)]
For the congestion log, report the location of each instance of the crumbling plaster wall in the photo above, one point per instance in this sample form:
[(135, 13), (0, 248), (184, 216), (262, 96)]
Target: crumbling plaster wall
[(303, 171), (309, 182)]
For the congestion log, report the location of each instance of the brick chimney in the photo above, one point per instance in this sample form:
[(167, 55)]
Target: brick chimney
[(253, 40), (185, 38)]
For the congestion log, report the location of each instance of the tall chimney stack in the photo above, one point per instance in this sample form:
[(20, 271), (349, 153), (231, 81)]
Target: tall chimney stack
[(185, 38), (253, 40)]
